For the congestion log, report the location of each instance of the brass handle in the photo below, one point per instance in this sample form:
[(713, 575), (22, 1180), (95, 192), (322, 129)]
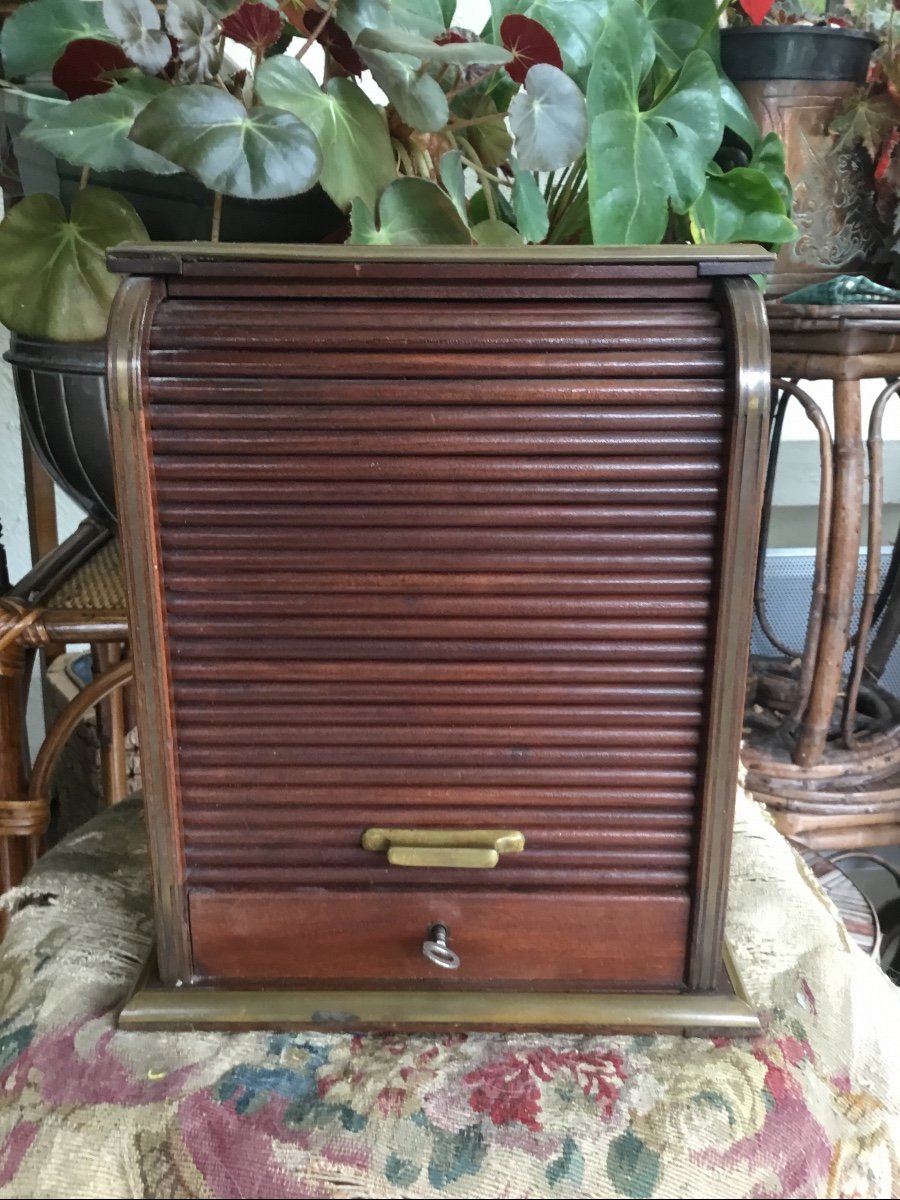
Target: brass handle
[(465, 848)]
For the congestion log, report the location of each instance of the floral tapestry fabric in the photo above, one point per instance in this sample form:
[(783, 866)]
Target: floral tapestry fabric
[(809, 1108)]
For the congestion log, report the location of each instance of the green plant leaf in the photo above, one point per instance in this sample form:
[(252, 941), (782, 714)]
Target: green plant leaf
[(489, 137), (93, 132), (35, 35), (260, 154), (199, 41), (742, 206), (411, 212), (479, 211), (737, 116), (768, 157), (496, 233), (53, 277), (453, 179), (419, 99), (137, 25), (400, 41), (424, 17), (548, 119), (421, 16), (224, 8), (624, 54), (353, 16), (641, 161), (530, 206), (357, 159), (681, 26)]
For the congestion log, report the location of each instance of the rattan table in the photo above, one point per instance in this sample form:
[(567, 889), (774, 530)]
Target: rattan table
[(74, 594), (825, 757)]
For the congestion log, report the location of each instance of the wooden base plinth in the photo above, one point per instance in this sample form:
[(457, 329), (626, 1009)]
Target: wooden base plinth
[(152, 1006)]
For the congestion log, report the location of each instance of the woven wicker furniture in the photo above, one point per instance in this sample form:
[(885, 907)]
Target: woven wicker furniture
[(73, 594), (830, 767)]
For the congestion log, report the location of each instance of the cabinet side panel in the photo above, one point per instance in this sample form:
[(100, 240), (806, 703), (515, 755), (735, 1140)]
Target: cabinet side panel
[(128, 338), (746, 316)]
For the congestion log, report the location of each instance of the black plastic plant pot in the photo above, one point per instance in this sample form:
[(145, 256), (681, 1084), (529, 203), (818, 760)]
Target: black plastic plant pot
[(823, 52), (61, 388)]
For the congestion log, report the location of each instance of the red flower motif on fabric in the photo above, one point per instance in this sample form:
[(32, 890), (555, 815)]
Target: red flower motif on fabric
[(508, 1090)]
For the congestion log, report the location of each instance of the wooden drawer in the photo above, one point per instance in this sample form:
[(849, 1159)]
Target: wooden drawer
[(528, 942)]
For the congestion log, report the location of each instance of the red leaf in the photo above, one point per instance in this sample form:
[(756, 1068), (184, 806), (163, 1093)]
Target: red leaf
[(530, 42), (254, 25), (81, 68), (335, 42), (887, 153), (757, 10)]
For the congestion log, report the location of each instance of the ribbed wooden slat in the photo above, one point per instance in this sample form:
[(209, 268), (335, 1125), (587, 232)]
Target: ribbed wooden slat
[(580, 826), (254, 774), (517, 740), (288, 420), (386, 516), (368, 605), (241, 669), (177, 317), (467, 494), (247, 290), (632, 804), (253, 443), (410, 467), (601, 562), (636, 365), (412, 337), (549, 628), (288, 647), (515, 391), (446, 753), (283, 543), (614, 582), (615, 703), (568, 878), (353, 857)]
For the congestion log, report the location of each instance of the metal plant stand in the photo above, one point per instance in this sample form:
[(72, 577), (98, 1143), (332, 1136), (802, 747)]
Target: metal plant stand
[(823, 745)]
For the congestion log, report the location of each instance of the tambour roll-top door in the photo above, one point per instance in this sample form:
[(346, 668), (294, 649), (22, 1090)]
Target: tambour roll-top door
[(438, 553)]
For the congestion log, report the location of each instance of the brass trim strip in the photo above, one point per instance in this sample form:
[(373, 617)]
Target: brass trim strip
[(167, 256), (746, 314), (154, 1007)]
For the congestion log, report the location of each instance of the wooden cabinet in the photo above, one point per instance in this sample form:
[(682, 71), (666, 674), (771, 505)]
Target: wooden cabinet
[(452, 546)]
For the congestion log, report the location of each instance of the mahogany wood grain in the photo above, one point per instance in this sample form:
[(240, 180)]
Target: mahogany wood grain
[(527, 939), (441, 543), (519, 391), (632, 801)]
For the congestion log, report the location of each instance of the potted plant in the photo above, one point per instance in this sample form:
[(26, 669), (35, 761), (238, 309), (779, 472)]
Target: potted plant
[(597, 124), (796, 63)]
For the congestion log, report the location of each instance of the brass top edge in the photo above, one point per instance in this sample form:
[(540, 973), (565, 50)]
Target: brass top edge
[(166, 257)]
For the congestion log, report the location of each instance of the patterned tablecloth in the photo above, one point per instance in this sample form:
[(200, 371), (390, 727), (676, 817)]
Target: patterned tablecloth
[(810, 1108)]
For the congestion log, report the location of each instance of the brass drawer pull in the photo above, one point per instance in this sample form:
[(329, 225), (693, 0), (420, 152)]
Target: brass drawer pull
[(436, 948), (465, 848)]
